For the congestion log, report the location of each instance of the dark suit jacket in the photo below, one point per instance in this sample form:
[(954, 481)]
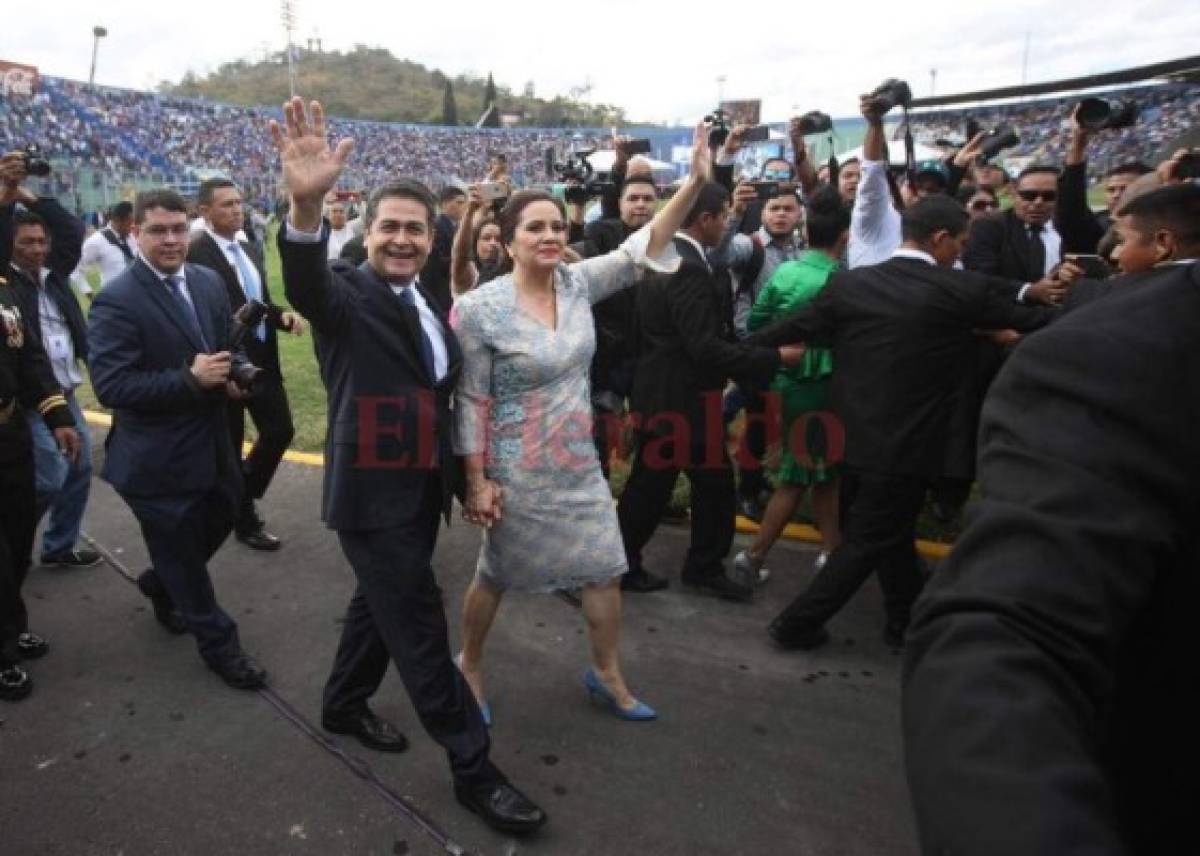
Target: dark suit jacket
[(435, 277), (615, 317), (899, 332), (686, 346), (1081, 228), (169, 436), (1051, 687), (204, 251), (66, 245), (389, 422)]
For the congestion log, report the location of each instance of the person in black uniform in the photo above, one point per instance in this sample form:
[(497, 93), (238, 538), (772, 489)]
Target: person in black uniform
[(898, 331), (1051, 691), (26, 381), (389, 361)]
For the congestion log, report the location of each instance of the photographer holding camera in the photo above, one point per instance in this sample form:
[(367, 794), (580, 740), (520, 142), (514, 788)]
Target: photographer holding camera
[(241, 268), (779, 170), (159, 357), (477, 255)]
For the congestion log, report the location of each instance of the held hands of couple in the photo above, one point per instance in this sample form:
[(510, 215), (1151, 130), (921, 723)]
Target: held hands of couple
[(310, 165), (484, 503)]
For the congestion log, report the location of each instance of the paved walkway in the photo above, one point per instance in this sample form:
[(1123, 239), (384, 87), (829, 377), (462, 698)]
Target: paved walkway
[(130, 746)]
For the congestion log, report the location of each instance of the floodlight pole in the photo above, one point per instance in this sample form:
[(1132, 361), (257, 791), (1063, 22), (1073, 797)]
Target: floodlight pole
[(288, 16), (98, 33)]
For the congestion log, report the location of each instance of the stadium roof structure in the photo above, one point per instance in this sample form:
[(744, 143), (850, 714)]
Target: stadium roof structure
[(1186, 68)]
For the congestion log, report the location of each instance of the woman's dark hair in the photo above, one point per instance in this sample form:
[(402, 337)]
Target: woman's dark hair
[(510, 214), (827, 218)]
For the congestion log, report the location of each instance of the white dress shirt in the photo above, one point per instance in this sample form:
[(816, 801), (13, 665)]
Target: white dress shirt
[(429, 320), (56, 338), (99, 254), (338, 239), (874, 223)]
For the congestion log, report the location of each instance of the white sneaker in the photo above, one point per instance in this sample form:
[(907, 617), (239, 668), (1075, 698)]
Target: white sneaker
[(747, 571), (819, 562)]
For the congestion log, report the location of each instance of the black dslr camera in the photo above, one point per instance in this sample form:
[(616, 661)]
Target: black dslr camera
[(35, 162), (718, 128), (892, 93), (245, 321), (1100, 114), (815, 122), (578, 175), (997, 140)]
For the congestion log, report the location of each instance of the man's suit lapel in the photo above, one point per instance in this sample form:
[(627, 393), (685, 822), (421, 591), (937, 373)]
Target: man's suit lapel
[(201, 302), (397, 316), (219, 262), (166, 303), (256, 259), (1019, 244)]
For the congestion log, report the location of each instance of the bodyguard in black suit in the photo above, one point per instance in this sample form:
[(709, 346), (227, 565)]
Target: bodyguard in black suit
[(217, 248), (687, 353), (389, 362), (1051, 691), (160, 359), (898, 331)]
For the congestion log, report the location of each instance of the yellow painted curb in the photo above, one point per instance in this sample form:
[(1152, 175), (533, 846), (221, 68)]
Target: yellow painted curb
[(793, 531), (307, 458), (804, 532)]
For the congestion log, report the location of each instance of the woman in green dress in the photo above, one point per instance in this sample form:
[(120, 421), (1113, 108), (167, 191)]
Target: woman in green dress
[(803, 389)]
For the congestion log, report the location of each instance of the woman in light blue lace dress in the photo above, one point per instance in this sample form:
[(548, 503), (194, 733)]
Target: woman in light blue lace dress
[(523, 422)]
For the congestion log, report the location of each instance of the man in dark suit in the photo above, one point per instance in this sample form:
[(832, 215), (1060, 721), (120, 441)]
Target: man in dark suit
[(452, 202), (389, 362), (159, 357), (898, 331), (240, 266), (687, 353), (1050, 681)]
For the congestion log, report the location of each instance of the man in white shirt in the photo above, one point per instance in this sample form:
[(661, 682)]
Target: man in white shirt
[(108, 250), (339, 230)]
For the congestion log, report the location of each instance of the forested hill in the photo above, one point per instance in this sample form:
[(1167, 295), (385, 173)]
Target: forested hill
[(370, 83)]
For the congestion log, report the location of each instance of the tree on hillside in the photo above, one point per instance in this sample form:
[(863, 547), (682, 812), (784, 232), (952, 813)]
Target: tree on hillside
[(449, 108), (489, 92)]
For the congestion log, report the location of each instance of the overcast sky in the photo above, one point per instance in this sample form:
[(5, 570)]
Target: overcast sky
[(820, 56)]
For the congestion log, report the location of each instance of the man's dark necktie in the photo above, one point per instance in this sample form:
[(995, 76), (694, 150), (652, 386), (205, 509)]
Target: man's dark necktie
[(1037, 252), (407, 298), (175, 285)]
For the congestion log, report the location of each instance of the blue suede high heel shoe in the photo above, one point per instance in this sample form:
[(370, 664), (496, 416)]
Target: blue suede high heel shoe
[(485, 709), (640, 712)]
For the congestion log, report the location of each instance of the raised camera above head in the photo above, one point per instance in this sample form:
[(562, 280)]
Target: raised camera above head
[(1101, 114), (578, 175), (35, 162), (718, 128), (815, 122), (892, 93)]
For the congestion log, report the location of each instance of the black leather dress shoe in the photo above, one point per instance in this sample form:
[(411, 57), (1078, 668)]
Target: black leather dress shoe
[(719, 585), (259, 539), (240, 671), (371, 731), (794, 640), (502, 807), (641, 580), (164, 608), (15, 683)]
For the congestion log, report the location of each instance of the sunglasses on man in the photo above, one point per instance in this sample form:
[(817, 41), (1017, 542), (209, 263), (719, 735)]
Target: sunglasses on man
[(984, 205), (1044, 195)]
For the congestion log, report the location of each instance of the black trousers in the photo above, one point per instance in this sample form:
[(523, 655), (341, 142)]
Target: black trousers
[(752, 480), (397, 613), (879, 519), (656, 466), (273, 420), (18, 521), (182, 534)]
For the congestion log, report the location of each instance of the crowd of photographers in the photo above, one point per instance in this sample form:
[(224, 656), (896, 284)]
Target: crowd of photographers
[(871, 321)]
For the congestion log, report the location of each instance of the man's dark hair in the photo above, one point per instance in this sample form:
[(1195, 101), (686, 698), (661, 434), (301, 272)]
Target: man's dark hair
[(827, 218), (1174, 208), (935, 213), (163, 198), (1129, 168), (209, 187), (449, 193), (510, 214), (712, 199), (121, 211), (791, 169), (28, 218), (640, 179), (402, 188), (1039, 168)]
